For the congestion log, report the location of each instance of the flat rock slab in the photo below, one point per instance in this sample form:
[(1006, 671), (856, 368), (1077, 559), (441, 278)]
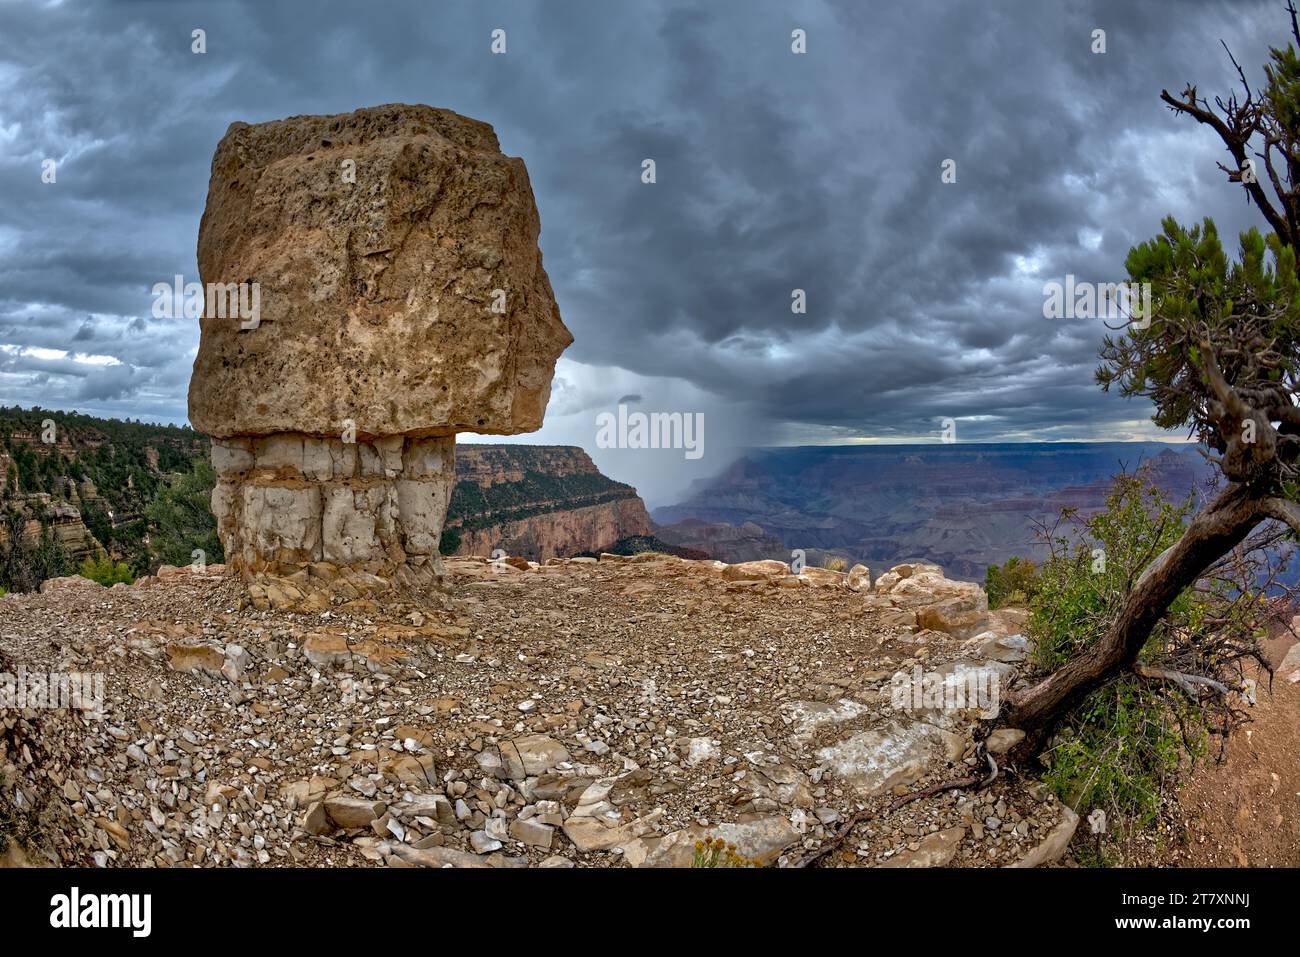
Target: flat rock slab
[(935, 850), (1006, 648), (437, 856), (1054, 845), (531, 755), (597, 825), (349, 812), (1290, 663), (806, 717), (762, 839), (953, 692), (896, 753)]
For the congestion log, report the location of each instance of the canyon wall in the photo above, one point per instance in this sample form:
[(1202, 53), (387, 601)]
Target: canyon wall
[(561, 533), (746, 542), (40, 511), (538, 502), (91, 486)]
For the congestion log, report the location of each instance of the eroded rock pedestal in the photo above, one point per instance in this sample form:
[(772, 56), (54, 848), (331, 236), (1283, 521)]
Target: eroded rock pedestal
[(289, 504), (402, 300)]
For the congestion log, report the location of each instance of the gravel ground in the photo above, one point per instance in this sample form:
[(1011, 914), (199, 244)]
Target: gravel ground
[(579, 713)]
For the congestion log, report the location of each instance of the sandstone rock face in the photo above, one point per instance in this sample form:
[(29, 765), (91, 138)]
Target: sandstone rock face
[(762, 570), (291, 500), (955, 607), (540, 502), (1290, 666), (63, 519), (561, 533), (935, 850), (401, 298)]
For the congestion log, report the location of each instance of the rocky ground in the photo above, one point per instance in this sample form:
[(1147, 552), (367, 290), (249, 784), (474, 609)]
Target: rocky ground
[(580, 713)]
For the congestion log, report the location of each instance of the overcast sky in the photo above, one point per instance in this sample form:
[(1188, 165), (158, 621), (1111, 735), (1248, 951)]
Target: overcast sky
[(775, 171)]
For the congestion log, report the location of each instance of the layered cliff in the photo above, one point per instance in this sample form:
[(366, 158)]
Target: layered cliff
[(38, 515), (745, 542), (74, 486), (538, 502)]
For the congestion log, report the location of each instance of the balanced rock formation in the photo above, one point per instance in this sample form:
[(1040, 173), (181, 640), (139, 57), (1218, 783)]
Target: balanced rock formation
[(401, 299)]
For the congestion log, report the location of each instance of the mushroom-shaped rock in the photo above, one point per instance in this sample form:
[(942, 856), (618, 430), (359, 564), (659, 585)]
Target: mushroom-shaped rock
[(373, 286)]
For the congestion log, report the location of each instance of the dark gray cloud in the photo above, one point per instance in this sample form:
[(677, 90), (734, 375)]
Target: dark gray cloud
[(775, 172)]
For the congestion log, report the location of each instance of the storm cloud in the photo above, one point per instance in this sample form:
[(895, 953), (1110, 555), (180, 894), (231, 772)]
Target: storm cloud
[(774, 172)]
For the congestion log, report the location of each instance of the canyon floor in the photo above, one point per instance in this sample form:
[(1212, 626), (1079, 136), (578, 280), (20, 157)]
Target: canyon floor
[(579, 713)]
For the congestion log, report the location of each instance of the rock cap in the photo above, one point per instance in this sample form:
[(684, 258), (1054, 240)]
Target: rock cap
[(401, 288)]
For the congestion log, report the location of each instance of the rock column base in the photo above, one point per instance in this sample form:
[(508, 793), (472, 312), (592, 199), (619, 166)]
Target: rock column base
[(301, 516)]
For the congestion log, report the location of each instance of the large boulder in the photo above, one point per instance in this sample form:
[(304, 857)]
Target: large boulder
[(956, 607), (761, 570), (376, 296)]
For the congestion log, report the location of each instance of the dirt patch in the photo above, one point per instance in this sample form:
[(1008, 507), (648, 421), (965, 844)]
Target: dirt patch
[(1245, 811)]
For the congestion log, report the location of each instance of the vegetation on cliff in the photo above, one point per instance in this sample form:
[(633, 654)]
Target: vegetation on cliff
[(180, 519), (641, 544), (144, 491), (474, 506), (1218, 356), (1014, 582), (106, 572), (111, 471), (24, 563), (1123, 748), (125, 460)]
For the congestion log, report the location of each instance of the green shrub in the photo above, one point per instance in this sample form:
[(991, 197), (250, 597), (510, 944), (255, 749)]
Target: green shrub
[(105, 571), (1013, 583), (24, 564), (1080, 588), (449, 542), (181, 520), (1123, 748), (835, 564), (1123, 751)]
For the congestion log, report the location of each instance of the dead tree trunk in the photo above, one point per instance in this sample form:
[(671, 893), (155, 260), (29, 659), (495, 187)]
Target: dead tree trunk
[(1215, 529)]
